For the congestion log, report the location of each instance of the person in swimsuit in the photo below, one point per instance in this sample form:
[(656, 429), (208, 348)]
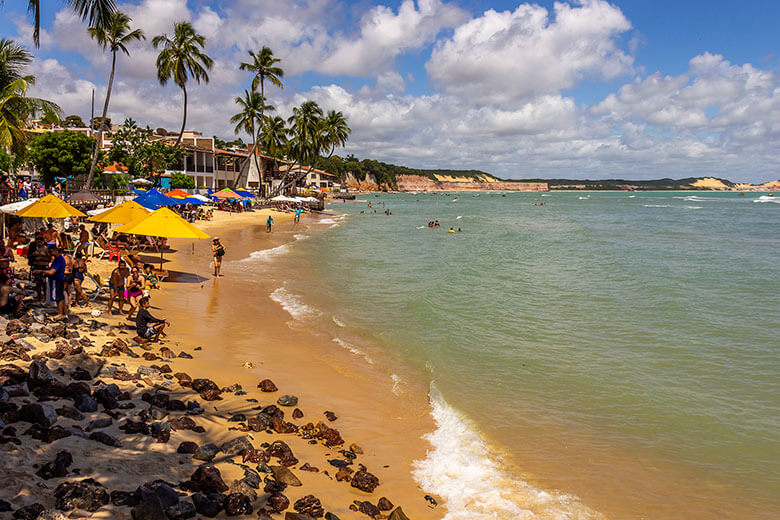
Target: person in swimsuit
[(147, 326), (6, 257), (116, 285), (219, 251), (8, 302), (50, 235), (268, 222), (152, 282), (84, 240), (134, 290), (69, 276), (79, 270)]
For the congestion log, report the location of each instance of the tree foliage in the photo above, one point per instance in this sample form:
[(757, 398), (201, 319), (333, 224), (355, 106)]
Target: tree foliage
[(73, 121), (61, 154), (5, 162), (143, 155), (182, 181)]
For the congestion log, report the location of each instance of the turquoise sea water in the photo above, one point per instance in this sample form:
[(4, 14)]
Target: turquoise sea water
[(628, 342)]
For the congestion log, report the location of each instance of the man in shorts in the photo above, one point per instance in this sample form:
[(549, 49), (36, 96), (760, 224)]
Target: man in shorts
[(56, 274), (268, 222), (116, 284), (147, 326)]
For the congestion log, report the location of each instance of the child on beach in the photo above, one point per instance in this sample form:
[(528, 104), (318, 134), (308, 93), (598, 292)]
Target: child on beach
[(152, 282), (146, 325)]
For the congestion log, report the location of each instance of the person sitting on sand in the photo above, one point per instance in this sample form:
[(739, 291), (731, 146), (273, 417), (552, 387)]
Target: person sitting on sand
[(146, 325), (8, 302), (219, 251), (6, 257), (152, 282), (116, 284)]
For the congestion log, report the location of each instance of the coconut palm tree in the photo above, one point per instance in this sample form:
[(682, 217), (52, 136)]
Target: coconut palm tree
[(182, 57), (114, 37), (249, 118), (16, 108), (334, 131), (273, 136), (96, 13), (306, 141)]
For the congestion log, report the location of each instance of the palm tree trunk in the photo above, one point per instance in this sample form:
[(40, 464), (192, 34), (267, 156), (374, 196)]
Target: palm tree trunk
[(184, 120), (102, 123), (257, 135)]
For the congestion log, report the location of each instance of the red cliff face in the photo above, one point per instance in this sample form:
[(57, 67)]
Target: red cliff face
[(420, 183)]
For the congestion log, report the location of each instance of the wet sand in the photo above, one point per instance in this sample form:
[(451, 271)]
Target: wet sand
[(237, 323)]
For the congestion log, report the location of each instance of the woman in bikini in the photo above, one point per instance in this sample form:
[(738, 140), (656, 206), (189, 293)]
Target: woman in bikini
[(134, 290), (79, 270)]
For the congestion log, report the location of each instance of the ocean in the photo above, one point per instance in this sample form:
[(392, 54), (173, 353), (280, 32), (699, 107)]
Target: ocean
[(587, 354)]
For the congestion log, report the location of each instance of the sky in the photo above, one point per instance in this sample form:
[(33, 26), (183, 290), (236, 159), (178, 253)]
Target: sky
[(635, 89)]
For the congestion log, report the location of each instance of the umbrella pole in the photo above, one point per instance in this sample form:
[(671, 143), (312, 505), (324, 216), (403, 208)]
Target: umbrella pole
[(161, 258)]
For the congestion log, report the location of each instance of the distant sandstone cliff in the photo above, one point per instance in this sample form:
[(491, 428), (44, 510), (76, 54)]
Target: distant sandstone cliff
[(448, 183)]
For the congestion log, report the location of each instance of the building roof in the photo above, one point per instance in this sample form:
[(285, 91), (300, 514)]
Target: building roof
[(115, 167), (300, 168)]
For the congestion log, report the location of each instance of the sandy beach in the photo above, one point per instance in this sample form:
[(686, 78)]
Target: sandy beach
[(228, 336)]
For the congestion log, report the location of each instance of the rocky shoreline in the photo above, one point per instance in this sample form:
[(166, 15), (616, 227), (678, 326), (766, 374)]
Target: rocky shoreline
[(93, 424)]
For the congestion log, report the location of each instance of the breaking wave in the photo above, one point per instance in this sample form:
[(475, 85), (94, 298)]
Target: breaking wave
[(293, 304), (353, 349)]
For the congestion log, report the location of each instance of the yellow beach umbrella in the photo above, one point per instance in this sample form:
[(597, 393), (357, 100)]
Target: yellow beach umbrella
[(122, 214), (49, 207), (162, 223)]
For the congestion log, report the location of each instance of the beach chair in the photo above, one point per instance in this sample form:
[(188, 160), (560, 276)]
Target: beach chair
[(162, 274), (101, 244), (101, 286)]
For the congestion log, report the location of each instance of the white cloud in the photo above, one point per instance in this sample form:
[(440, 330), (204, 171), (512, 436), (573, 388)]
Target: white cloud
[(506, 56)]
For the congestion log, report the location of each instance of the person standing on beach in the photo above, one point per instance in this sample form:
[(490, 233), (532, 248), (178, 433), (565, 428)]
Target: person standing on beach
[(147, 325), (116, 285), (268, 222), (219, 251), (56, 274)]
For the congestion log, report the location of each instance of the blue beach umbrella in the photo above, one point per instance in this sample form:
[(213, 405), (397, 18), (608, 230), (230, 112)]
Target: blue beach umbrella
[(137, 192), (244, 193), (153, 199)]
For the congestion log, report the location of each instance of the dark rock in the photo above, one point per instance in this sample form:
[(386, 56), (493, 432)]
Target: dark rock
[(161, 431), (330, 416), (105, 438), (285, 476), (369, 509), (338, 463), (384, 504), (236, 504), (331, 516), (287, 400), (58, 468), (39, 374), (80, 374), (86, 403), (207, 389), (364, 481), (18, 390), (99, 423), (398, 514), (159, 491), (149, 509), (256, 456), (187, 447), (207, 452), (74, 390), (274, 487), (125, 498), (296, 516), (194, 408), (106, 397), (30, 512), (278, 502), (282, 451), (330, 436), (210, 395), (266, 385), (208, 479), (180, 511), (251, 478), (309, 505), (205, 506), (38, 413), (158, 400), (5, 506), (259, 422), (88, 494), (273, 411), (134, 427), (235, 387), (184, 379), (343, 474), (241, 486), (239, 417), (297, 414), (354, 448), (184, 355), (307, 467), (167, 353), (236, 446), (199, 429), (47, 435), (280, 426)]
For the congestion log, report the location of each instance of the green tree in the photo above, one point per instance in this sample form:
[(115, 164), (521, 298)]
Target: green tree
[(248, 120), (143, 154), (182, 181), (73, 121), (273, 136), (335, 132), (16, 108), (182, 57), (61, 154), (95, 12), (5, 162), (114, 35)]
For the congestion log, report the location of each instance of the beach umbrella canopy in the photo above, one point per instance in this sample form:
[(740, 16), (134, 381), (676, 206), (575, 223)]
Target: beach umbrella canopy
[(244, 193), (98, 211), (178, 193), (283, 198), (13, 207), (162, 223), (201, 198), (188, 200), (227, 193), (153, 199), (121, 214), (84, 195), (141, 181), (49, 207), (137, 192)]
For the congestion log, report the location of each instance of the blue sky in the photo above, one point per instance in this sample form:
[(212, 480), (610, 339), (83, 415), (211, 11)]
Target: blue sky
[(580, 89)]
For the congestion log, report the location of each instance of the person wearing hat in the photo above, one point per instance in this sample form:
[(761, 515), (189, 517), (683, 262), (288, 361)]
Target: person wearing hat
[(219, 251)]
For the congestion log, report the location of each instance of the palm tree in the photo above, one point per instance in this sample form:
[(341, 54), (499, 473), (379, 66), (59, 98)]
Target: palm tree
[(182, 57), (263, 65), (273, 136), (249, 118), (97, 13), (334, 131), (306, 141), (16, 108), (114, 36)]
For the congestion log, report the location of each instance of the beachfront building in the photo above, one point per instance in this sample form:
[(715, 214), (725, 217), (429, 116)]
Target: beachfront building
[(228, 169), (313, 176)]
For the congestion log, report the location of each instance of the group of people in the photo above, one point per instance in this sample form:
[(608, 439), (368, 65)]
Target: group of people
[(191, 213), (23, 188), (129, 285)]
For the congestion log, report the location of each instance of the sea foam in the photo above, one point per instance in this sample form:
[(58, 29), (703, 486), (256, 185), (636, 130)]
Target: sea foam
[(265, 255), (466, 474), (293, 304), (353, 349), (767, 198)]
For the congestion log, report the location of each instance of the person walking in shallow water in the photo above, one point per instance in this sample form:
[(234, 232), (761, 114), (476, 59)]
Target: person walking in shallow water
[(268, 222), (219, 251)]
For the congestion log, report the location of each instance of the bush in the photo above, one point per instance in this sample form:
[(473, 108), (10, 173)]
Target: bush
[(182, 181), (61, 154)]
